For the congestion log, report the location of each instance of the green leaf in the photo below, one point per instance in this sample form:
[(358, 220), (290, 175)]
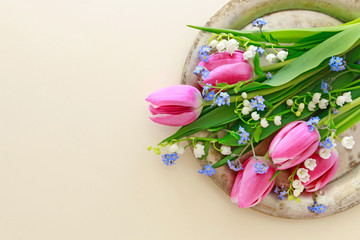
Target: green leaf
[(218, 116), (257, 68), (281, 35), (275, 175), (335, 45), (257, 134)]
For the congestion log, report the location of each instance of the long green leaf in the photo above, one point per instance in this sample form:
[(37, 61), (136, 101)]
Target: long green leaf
[(335, 45)]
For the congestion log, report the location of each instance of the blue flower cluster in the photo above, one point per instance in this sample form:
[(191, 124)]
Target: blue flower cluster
[(244, 135), (324, 86), (260, 51), (235, 165), (222, 99), (204, 53), (169, 159), (312, 122), (281, 192), (258, 103), (337, 64), (208, 170), (327, 143), (208, 96), (261, 168), (317, 208), (203, 71), (259, 23), (269, 75)]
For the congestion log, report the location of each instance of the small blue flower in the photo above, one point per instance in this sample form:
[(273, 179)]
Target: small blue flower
[(259, 23), (324, 86), (241, 129), (204, 50), (169, 159), (335, 111), (235, 165), (198, 69), (269, 75), (205, 73), (220, 101), (327, 143), (210, 96), (312, 122), (260, 99), (206, 88), (260, 107), (317, 208), (261, 168), (260, 50), (208, 170), (254, 103), (337, 64), (204, 57)]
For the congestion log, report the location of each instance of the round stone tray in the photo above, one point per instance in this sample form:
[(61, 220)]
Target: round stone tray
[(343, 192)]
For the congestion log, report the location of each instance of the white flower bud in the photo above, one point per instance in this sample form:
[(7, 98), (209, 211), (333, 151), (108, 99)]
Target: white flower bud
[(277, 120), (255, 116), (348, 142), (301, 106), (340, 100), (298, 185), (311, 106), (264, 123), (282, 55), (297, 192), (347, 97), (248, 55), (323, 103), (220, 46), (289, 102), (213, 43), (303, 175), (244, 95), (270, 58), (324, 153), (245, 110), (310, 164), (246, 103), (225, 150), (176, 148), (199, 150), (252, 49), (316, 97), (232, 45)]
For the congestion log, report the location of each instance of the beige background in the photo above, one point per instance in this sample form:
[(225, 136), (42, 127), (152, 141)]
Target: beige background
[(74, 129)]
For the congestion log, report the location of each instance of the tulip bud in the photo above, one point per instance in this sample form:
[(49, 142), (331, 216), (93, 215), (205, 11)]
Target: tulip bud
[(293, 144), (250, 187), (177, 105), (226, 68)]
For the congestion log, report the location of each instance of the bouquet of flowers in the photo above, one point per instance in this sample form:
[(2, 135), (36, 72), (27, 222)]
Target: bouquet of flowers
[(289, 92)]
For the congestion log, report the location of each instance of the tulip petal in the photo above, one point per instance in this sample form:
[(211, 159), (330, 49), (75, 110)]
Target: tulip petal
[(176, 119), (254, 186), (222, 58), (281, 134), (295, 142), (300, 158), (178, 95), (230, 73), (169, 109)]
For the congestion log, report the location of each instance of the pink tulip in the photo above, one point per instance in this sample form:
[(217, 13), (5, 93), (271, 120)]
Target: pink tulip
[(293, 144), (227, 68), (177, 105), (250, 187), (322, 173)]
